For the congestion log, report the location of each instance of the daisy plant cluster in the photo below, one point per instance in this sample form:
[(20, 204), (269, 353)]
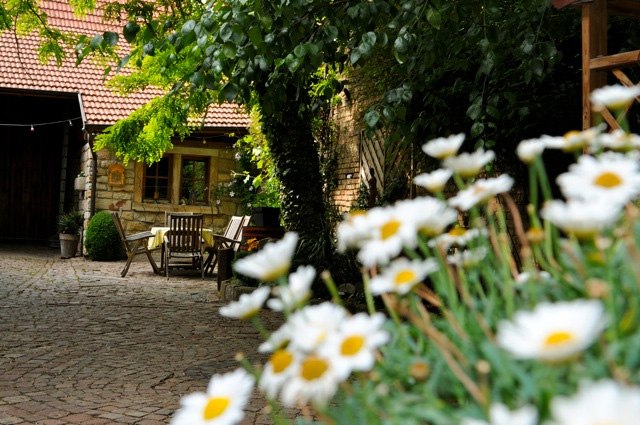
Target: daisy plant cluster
[(479, 311)]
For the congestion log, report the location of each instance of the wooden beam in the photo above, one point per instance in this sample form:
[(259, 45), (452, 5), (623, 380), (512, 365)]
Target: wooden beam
[(629, 8), (594, 44), (619, 60), (622, 77), (610, 119)]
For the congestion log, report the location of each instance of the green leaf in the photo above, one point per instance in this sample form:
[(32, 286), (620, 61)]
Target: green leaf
[(96, 41), (229, 50), (300, 50), (434, 18), (475, 109), (130, 31), (355, 55), (188, 27), (331, 32), (255, 35), (149, 49), (110, 37), (372, 117), (477, 129), (537, 67), (226, 32), (369, 38), (229, 91)]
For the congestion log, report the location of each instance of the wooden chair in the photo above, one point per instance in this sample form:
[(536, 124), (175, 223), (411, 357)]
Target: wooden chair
[(230, 239), (133, 245), (167, 216), (183, 243)]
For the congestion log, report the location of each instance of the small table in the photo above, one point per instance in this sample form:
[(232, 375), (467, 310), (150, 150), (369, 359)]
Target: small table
[(159, 232), (157, 241)]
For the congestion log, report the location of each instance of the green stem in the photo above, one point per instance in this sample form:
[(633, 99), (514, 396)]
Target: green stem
[(368, 296), (331, 285)]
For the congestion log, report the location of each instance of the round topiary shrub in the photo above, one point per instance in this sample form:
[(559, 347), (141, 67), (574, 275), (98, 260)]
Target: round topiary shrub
[(102, 239)]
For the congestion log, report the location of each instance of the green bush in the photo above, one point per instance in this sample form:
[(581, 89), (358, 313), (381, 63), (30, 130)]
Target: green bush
[(102, 239)]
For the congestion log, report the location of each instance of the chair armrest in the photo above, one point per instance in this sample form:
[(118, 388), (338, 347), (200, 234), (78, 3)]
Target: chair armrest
[(138, 236), (223, 240)]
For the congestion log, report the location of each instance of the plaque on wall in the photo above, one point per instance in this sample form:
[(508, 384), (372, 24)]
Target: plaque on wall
[(115, 173)]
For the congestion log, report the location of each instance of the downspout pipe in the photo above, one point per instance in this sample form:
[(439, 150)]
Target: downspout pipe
[(94, 158)]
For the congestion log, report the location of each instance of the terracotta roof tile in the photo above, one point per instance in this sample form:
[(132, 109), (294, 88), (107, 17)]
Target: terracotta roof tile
[(20, 69)]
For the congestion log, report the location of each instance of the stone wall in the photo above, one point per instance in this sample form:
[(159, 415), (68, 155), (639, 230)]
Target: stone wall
[(140, 216), (348, 128)]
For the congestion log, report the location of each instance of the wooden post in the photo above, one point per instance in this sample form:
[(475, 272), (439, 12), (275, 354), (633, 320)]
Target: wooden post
[(594, 44)]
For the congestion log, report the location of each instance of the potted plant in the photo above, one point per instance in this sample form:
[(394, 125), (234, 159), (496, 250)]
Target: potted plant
[(69, 226)]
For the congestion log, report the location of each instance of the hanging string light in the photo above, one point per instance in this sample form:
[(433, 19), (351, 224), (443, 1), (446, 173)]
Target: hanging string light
[(33, 126)]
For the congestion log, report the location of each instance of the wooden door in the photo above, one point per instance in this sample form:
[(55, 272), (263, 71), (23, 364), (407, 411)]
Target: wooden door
[(30, 164)]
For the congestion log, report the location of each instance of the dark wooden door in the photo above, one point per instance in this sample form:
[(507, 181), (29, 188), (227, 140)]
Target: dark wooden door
[(30, 164)]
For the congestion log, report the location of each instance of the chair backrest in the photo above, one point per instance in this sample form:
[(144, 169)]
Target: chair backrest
[(244, 223), (185, 232), (116, 220), (167, 215), (233, 227)]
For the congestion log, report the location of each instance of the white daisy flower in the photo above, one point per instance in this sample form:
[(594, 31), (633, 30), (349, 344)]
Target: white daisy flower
[(276, 340), (480, 191), (615, 97), (619, 140), (353, 346), (583, 219), (443, 147), (310, 327), (469, 164), (499, 414), (389, 232), (530, 149), (314, 379), (271, 262), (277, 371), (434, 181), (222, 404), (598, 403), (575, 140), (457, 236), (353, 231), (552, 331), (402, 275), (248, 305), (468, 257), (429, 216), (296, 293), (611, 178)]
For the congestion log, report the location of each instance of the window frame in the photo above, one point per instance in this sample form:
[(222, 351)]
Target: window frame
[(169, 178), (207, 176)]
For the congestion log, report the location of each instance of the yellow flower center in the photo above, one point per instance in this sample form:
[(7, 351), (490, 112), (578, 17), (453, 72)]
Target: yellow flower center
[(215, 407), (281, 360), (389, 229), (352, 345), (558, 338), (404, 277), (457, 231), (608, 180), (276, 272), (571, 134), (313, 368)]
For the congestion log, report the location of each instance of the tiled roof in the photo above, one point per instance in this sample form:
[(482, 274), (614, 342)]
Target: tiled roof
[(20, 69)]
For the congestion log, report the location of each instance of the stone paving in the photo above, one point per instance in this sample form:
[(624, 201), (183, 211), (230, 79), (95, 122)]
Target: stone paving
[(81, 345)]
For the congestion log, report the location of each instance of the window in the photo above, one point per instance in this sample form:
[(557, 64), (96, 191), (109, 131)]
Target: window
[(176, 179), (194, 180), (157, 182)]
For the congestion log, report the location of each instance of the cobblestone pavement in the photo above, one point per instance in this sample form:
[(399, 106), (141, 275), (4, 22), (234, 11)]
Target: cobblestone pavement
[(81, 345)]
